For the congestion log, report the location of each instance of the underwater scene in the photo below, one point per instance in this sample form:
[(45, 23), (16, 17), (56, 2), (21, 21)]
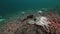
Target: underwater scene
[(29, 16)]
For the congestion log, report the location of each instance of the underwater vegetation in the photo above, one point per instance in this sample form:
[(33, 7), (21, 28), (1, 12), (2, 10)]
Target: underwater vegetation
[(46, 22)]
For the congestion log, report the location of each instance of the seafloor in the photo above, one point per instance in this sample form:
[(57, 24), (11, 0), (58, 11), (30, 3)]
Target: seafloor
[(21, 26)]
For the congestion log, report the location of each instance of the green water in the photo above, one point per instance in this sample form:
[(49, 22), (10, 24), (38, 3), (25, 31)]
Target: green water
[(12, 6)]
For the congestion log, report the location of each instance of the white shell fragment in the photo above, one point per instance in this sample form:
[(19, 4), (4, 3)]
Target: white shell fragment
[(40, 12), (42, 21), (31, 22)]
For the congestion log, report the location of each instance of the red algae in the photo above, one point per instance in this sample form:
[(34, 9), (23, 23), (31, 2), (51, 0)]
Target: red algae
[(54, 23)]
